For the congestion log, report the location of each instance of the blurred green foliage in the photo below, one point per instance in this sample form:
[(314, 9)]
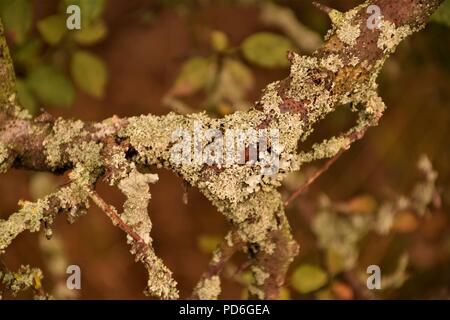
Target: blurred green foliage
[(442, 15), (44, 55)]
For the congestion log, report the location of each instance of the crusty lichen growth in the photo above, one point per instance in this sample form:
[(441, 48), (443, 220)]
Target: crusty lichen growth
[(23, 279), (135, 186), (3, 157), (209, 288), (391, 36), (29, 217), (64, 131), (347, 29)]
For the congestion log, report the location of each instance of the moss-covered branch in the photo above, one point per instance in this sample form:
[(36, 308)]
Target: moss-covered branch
[(344, 70)]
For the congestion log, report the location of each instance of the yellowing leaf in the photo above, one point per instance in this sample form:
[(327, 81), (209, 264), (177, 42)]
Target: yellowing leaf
[(334, 261), (285, 294), (25, 96), (308, 278), (219, 40), (51, 86), (442, 15), (52, 28), (16, 17), (89, 73), (208, 243), (342, 291), (364, 204), (241, 74), (267, 49), (405, 222), (91, 34), (195, 74)]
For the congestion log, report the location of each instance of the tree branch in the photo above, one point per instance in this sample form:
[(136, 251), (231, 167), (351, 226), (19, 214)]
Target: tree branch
[(344, 70)]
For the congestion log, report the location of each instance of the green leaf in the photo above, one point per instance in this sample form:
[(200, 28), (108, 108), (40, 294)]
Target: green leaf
[(51, 86), (27, 54), (208, 243), (52, 28), (89, 73), (442, 15), (195, 74), (308, 278), (91, 34), (26, 98), (91, 10), (241, 74), (267, 49), (16, 17), (219, 41)]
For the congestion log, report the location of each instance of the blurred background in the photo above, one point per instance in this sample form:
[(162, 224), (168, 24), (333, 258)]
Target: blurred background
[(374, 206)]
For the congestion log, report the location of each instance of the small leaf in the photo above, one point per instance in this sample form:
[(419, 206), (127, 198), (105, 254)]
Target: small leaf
[(16, 17), (26, 98), (285, 294), (442, 15), (52, 28), (405, 222), (342, 291), (334, 260), (27, 54), (195, 74), (219, 41), (208, 243), (42, 184), (364, 204), (308, 278), (89, 73), (241, 74), (267, 49), (51, 86), (91, 34)]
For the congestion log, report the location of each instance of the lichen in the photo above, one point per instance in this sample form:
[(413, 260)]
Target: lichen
[(29, 217), (23, 279), (64, 131), (344, 24), (135, 188), (391, 36), (209, 288), (3, 157), (259, 275)]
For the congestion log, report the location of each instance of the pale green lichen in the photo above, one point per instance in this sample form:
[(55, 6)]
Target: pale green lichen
[(209, 288), (29, 217), (346, 29), (326, 149), (391, 36), (260, 276), (87, 154), (3, 157), (340, 234), (64, 131), (135, 188), (23, 279), (332, 62)]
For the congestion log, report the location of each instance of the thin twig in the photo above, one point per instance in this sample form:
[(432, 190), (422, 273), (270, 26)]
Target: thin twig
[(111, 212), (313, 178)]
